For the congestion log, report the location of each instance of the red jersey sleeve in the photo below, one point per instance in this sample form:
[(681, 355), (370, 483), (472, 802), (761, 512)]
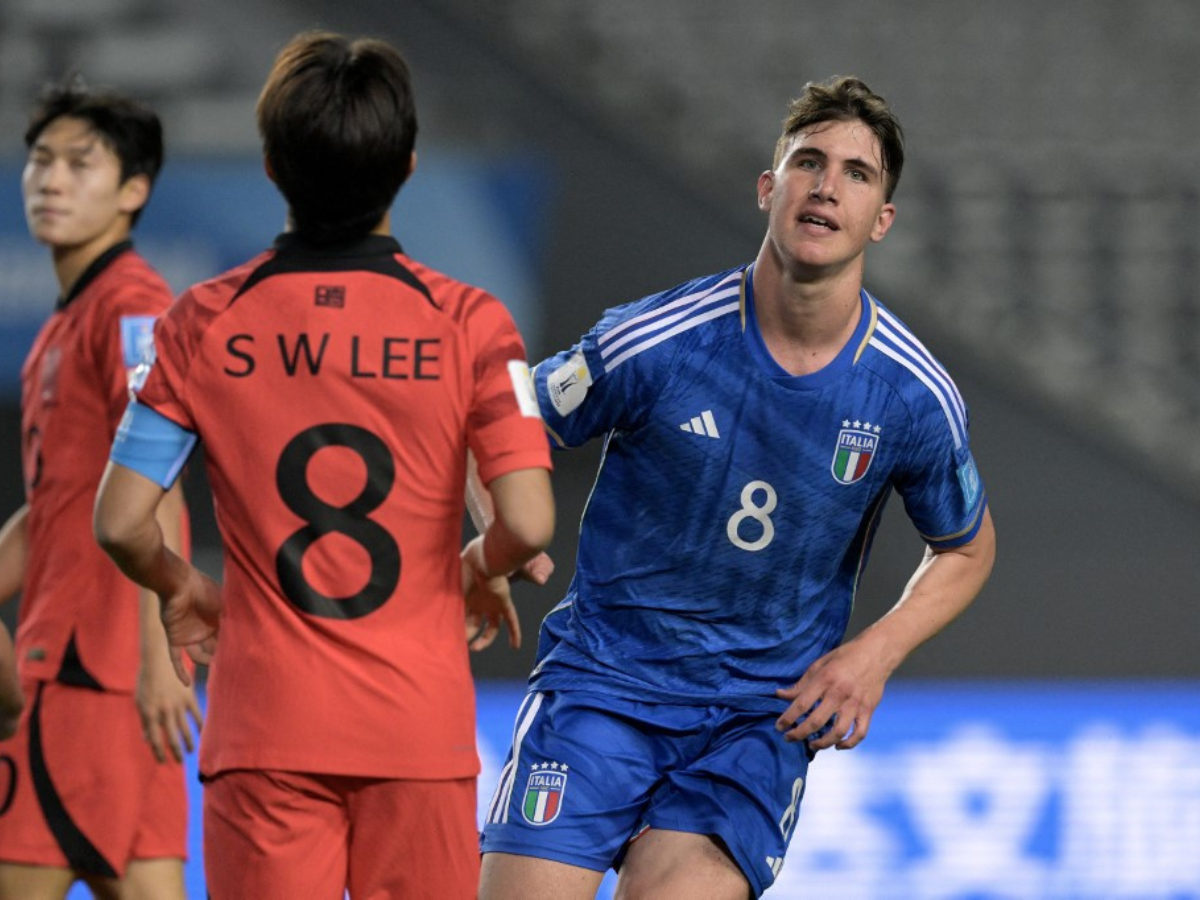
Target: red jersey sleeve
[(164, 388), (121, 339), (504, 426)]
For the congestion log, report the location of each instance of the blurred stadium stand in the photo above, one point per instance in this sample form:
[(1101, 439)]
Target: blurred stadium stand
[(1047, 246)]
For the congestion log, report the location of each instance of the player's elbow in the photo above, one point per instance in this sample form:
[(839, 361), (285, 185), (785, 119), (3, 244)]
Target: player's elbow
[(116, 527), (532, 532), (524, 506), (114, 532), (529, 525)]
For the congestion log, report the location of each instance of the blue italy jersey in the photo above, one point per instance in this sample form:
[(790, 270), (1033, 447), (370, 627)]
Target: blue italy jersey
[(735, 504)]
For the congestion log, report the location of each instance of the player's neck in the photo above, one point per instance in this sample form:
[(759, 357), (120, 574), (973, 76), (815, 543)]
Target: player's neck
[(71, 262), (805, 324)]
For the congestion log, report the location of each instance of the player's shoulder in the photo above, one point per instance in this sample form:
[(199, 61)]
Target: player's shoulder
[(691, 312), (216, 293), (895, 355), (457, 299), (130, 284)]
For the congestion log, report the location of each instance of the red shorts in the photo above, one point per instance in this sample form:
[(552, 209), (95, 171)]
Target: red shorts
[(283, 835), (80, 788)]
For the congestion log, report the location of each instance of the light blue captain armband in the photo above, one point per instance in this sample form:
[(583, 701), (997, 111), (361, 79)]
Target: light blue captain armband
[(152, 445)]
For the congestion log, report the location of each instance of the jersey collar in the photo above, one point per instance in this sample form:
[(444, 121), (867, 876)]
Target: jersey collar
[(846, 358), (369, 245), (99, 264)]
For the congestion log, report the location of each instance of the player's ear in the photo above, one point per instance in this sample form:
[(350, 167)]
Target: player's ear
[(133, 194), (883, 221), (412, 165), (269, 169), (766, 183)]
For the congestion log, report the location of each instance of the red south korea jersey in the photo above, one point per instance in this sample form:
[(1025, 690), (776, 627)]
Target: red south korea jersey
[(336, 393), (78, 621)]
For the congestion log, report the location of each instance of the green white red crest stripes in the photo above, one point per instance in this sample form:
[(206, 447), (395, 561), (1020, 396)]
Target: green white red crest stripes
[(543, 795), (853, 454)]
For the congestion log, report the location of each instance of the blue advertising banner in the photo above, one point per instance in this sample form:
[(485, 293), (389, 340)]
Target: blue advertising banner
[(971, 791), (479, 219)]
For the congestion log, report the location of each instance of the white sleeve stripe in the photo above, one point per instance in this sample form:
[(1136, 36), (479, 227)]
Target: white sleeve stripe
[(911, 338), (936, 390), (906, 336), (671, 332), (660, 321), (697, 297), (498, 812), (931, 367)]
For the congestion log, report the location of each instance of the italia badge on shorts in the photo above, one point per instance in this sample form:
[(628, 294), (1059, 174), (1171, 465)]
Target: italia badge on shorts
[(544, 793), (856, 446)]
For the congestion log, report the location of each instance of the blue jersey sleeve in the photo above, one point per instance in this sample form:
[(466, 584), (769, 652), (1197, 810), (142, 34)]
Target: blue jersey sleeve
[(582, 395), (943, 493), (612, 378), (152, 445)]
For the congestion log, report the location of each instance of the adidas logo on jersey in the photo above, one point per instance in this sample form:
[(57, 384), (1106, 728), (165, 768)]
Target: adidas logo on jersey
[(703, 424)]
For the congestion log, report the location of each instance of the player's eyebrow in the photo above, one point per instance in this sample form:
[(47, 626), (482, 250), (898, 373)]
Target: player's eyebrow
[(76, 149), (819, 154)]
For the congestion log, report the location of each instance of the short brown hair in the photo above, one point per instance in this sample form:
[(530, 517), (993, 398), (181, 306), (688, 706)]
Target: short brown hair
[(843, 99), (338, 123)]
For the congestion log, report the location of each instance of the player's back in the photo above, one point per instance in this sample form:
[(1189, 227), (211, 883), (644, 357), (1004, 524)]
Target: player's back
[(333, 391)]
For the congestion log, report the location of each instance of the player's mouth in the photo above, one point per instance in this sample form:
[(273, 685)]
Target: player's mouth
[(47, 213), (818, 221)]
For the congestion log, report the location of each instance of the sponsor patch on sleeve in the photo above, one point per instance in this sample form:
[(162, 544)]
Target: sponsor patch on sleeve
[(522, 383), (968, 480), (137, 348), (569, 383)]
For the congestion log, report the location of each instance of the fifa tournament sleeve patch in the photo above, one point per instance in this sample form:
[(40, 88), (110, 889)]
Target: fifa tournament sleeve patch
[(137, 348), (522, 383), (968, 480), (568, 384)]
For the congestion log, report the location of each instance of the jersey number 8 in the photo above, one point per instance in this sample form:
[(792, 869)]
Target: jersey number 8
[(351, 520)]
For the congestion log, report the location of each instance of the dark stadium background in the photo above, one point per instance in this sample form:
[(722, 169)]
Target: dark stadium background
[(574, 156)]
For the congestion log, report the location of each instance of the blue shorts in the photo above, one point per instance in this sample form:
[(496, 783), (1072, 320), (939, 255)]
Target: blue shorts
[(587, 772)]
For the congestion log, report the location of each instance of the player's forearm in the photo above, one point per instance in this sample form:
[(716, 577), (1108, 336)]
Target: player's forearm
[(169, 516), (524, 520), (942, 587), (127, 529), (478, 498), (14, 551)]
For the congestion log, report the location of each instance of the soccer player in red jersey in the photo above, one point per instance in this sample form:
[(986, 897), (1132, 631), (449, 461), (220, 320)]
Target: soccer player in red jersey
[(338, 386), (93, 783)]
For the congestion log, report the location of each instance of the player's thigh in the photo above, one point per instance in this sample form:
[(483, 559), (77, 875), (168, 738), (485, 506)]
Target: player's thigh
[(274, 836), (679, 864), (153, 879), (414, 839), (21, 882), (579, 774), (505, 876), (744, 792)]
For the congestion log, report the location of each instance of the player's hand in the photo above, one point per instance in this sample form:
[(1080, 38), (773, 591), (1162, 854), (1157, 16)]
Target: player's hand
[(840, 692), (12, 700), (165, 705), (489, 601), (538, 570), (191, 617)]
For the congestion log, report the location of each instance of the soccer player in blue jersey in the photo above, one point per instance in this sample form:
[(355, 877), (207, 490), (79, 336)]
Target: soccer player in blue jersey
[(755, 422)]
